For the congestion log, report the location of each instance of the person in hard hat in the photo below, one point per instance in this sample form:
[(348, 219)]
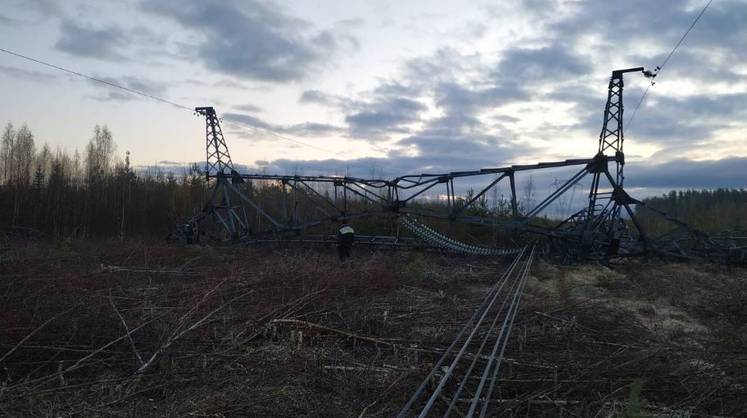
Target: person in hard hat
[(345, 238)]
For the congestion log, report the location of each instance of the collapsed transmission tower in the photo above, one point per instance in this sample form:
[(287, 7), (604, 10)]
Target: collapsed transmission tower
[(218, 166), (608, 227), (600, 224)]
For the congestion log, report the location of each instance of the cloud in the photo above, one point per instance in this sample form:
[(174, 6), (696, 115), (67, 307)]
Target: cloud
[(460, 141), (29, 12), (682, 174), (85, 41), (670, 121), (26, 74), (683, 120), (248, 107), (623, 27), (459, 107), (592, 38), (397, 106), (459, 135), (4, 20), (721, 28), (311, 129), (384, 116), (141, 84), (451, 134), (541, 64), (388, 168), (565, 63), (44, 7), (251, 39), (325, 99), (455, 141), (247, 120), (315, 96), (338, 103), (457, 98)]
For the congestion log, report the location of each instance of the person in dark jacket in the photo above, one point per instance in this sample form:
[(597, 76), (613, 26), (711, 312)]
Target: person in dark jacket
[(189, 232), (345, 239)]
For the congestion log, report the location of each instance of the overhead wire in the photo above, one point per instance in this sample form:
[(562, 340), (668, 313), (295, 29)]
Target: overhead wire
[(666, 60), (158, 99), (692, 25), (235, 122), (95, 79)]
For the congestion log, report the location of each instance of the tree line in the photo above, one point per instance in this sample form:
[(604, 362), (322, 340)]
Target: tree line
[(95, 193), (711, 211)]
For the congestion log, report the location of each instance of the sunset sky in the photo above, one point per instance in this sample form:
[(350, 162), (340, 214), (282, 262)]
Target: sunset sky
[(386, 87)]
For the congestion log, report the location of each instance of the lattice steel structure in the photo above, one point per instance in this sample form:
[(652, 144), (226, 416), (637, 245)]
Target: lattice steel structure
[(607, 227), (217, 159)]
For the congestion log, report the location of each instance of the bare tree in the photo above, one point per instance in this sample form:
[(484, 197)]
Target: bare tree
[(24, 154), (99, 153), (6, 151), (527, 201)]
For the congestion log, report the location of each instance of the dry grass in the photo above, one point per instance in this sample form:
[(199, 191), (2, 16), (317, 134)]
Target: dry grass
[(674, 329), (142, 329), (206, 331)]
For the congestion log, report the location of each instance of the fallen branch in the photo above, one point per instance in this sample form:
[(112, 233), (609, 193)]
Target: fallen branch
[(283, 312), (307, 324), (120, 269), (177, 333), (31, 334), (381, 395), (127, 329), (82, 360)]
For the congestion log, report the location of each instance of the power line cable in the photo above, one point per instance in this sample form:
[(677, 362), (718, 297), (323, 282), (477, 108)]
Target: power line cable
[(156, 98), (240, 124), (697, 18), (666, 60), (98, 80), (632, 115)]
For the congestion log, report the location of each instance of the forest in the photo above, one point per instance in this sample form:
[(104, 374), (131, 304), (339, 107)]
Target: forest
[(711, 211), (89, 194), (97, 193)]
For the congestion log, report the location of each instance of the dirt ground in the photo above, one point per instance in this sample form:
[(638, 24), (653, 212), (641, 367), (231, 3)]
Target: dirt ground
[(141, 329)]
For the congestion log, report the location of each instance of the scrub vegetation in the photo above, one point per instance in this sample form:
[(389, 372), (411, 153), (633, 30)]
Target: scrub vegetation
[(136, 328)]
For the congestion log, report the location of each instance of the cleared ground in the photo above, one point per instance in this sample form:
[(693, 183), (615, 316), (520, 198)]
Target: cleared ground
[(147, 329)]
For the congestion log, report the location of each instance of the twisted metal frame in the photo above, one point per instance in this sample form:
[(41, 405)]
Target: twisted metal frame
[(607, 227)]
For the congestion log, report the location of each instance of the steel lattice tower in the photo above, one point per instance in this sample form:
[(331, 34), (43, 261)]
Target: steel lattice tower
[(611, 138), (218, 166), (218, 160), (603, 213)]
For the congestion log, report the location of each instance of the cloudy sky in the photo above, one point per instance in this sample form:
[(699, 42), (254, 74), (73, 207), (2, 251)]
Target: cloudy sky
[(387, 87)]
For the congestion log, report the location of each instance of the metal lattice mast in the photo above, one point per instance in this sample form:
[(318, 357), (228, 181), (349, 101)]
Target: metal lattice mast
[(610, 139), (603, 215), (218, 165), (218, 160)]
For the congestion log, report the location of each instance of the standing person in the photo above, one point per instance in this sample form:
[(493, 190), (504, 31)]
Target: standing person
[(189, 232), (345, 238)]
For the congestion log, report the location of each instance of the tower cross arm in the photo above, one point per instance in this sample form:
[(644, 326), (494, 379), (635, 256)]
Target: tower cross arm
[(619, 73)]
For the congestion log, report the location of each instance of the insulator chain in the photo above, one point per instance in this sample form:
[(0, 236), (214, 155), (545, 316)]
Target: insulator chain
[(431, 237)]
